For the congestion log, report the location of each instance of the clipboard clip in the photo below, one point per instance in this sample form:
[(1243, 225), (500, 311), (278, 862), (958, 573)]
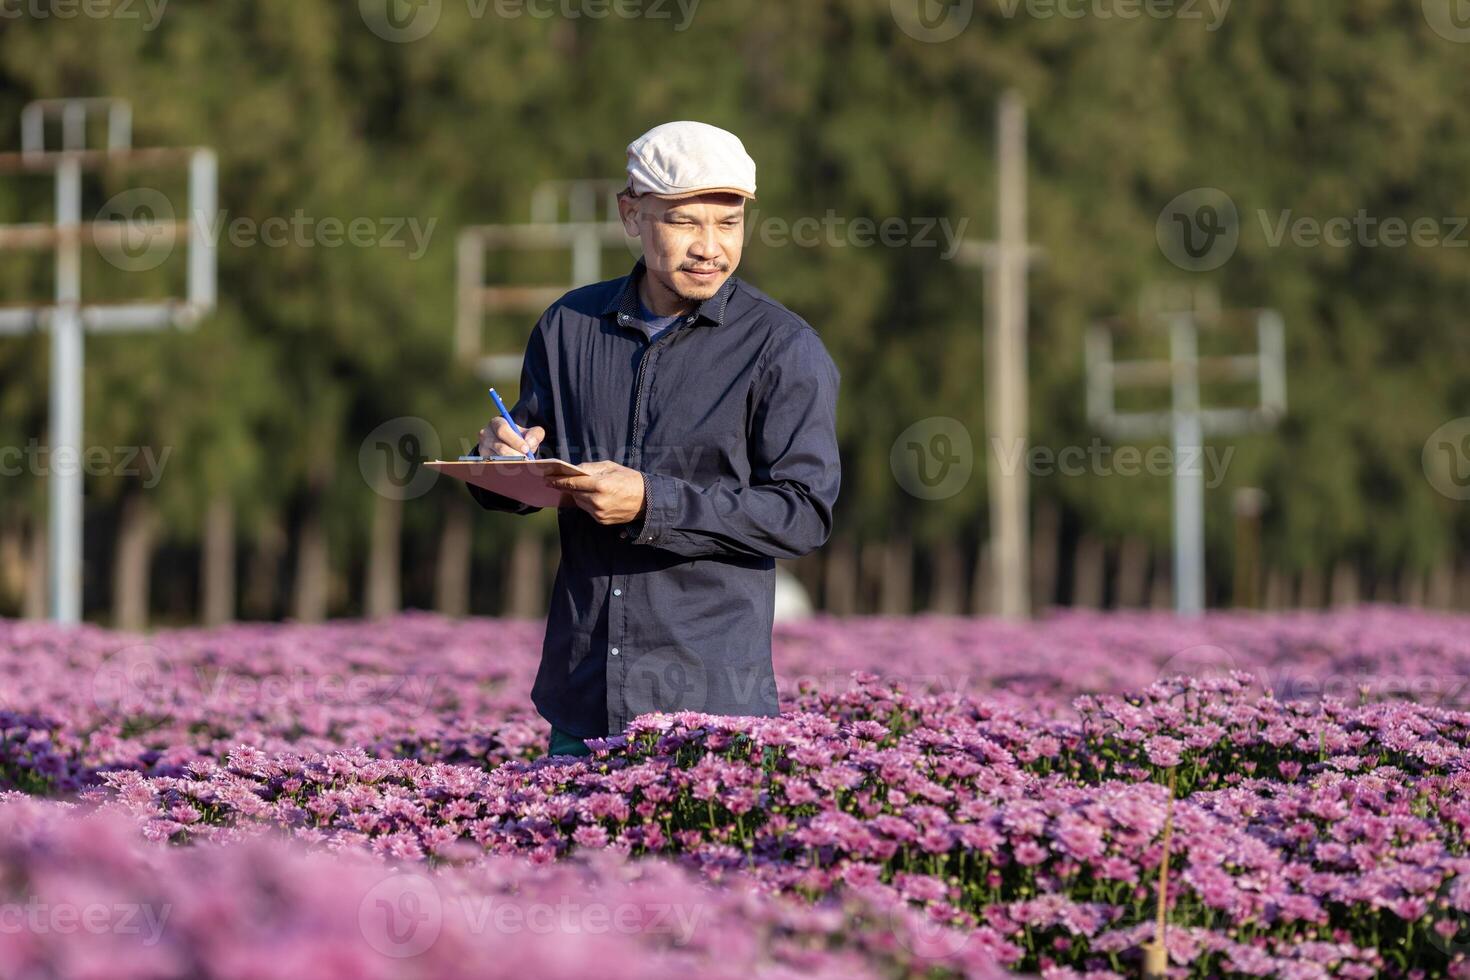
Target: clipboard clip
[(492, 459)]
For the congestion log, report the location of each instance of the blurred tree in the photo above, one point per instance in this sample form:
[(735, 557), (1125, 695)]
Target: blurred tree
[(1317, 109)]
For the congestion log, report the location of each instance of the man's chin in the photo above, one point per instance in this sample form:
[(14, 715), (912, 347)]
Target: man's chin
[(698, 289)]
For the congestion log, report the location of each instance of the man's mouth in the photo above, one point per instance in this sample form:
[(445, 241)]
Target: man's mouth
[(704, 273)]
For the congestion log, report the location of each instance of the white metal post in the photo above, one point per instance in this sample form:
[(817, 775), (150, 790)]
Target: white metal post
[(1187, 421), (1189, 489), (582, 229), (203, 202), (65, 471), (68, 319)]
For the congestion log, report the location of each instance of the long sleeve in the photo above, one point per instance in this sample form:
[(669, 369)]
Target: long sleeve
[(533, 407), (786, 511)]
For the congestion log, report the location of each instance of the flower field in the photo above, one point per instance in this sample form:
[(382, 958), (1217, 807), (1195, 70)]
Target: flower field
[(941, 797)]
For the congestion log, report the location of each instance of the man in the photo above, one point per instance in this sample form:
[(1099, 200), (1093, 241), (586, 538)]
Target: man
[(706, 413)]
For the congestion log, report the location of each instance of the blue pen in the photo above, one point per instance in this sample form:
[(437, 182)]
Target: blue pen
[(505, 414)]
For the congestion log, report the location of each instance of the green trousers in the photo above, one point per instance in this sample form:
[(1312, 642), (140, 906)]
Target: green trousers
[(564, 744)]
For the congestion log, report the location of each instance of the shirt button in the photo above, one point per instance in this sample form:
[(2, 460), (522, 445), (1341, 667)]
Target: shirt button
[(623, 534), (617, 591), (614, 651)]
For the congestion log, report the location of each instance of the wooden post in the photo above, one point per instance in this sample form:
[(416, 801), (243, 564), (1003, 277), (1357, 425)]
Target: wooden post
[(1045, 539), (525, 588), (313, 568), (1089, 577), (452, 577), (1156, 953), (1249, 503), (217, 562), (132, 563), (33, 605), (1132, 581), (1006, 262), (1005, 366), (947, 589)]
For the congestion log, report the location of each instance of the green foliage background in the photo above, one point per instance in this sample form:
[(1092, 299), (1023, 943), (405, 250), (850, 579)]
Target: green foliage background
[(1320, 107)]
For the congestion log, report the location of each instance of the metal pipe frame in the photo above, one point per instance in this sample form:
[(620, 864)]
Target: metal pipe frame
[(68, 320)]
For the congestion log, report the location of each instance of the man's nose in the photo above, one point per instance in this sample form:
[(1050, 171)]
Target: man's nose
[(706, 244)]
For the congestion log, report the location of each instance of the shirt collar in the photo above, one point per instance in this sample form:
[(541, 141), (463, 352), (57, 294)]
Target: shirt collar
[(625, 302)]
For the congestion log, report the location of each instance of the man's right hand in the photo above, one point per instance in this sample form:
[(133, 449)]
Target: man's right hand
[(497, 439)]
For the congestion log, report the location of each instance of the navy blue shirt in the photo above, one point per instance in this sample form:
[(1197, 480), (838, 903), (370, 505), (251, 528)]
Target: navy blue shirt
[(730, 414)]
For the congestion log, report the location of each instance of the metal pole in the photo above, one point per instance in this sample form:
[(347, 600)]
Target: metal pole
[(65, 471), (1189, 490), (203, 198), (586, 258), (1006, 369)]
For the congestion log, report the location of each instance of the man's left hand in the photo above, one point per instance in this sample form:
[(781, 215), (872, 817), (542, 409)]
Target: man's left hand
[(612, 494)]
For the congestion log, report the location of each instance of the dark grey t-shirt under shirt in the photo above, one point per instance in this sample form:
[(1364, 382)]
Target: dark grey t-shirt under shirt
[(653, 325)]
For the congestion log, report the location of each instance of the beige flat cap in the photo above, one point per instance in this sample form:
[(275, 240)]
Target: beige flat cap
[(682, 159)]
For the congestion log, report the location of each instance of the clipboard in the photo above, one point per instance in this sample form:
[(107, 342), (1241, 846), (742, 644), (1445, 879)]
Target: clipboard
[(515, 477)]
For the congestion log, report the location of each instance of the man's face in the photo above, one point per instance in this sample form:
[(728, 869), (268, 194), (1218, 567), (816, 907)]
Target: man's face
[(691, 246)]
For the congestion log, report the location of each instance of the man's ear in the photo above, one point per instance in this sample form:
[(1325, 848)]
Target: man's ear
[(628, 211)]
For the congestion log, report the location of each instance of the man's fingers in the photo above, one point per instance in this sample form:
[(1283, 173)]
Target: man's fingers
[(576, 484), (500, 440), (507, 438)]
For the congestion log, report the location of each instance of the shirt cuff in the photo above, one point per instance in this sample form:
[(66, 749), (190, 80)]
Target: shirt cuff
[(655, 521)]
